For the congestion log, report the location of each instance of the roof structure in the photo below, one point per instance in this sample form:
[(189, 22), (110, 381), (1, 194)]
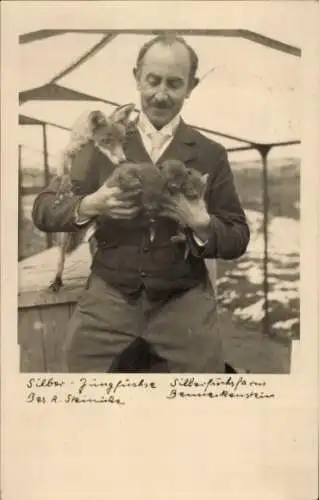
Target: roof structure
[(247, 93)]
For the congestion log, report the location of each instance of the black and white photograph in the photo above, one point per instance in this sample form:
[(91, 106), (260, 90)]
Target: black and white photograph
[(159, 203)]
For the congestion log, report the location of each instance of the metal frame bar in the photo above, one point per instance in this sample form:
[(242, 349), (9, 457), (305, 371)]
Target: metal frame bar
[(34, 36), (39, 122), (31, 94), (49, 236), (250, 145), (87, 55), (19, 198), (252, 36), (264, 150), (27, 96)]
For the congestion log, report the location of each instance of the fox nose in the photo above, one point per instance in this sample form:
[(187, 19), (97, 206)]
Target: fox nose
[(121, 157), (119, 154)]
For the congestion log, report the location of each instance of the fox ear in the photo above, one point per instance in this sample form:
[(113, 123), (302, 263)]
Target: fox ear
[(97, 119), (122, 113)]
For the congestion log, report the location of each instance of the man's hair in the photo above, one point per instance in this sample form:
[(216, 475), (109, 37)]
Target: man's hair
[(169, 39)]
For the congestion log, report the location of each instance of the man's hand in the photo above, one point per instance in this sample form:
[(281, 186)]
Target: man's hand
[(111, 202), (189, 213)]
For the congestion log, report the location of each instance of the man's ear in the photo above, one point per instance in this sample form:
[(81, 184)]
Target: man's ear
[(192, 85), (195, 82), (136, 76), (122, 113)]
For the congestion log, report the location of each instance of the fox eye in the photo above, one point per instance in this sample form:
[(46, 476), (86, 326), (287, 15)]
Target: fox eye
[(102, 137)]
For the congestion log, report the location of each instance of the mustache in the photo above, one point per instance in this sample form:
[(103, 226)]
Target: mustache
[(162, 104)]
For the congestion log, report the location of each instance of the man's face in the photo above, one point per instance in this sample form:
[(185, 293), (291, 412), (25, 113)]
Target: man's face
[(163, 82)]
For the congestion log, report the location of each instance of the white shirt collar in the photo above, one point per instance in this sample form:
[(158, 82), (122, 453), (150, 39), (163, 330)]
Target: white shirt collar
[(146, 127)]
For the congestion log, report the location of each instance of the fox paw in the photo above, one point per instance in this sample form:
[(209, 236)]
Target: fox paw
[(56, 284)]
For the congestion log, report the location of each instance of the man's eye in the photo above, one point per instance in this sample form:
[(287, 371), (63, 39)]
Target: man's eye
[(174, 84), (153, 80)]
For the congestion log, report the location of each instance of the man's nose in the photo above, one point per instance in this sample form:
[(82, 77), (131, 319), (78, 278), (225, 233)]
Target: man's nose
[(161, 94)]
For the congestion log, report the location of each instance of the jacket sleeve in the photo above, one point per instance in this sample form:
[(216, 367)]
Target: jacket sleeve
[(229, 231), (54, 210)]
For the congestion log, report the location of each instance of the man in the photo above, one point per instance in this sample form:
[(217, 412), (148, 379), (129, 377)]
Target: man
[(138, 288)]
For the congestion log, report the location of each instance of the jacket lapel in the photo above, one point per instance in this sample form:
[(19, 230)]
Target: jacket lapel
[(182, 147), (134, 148)]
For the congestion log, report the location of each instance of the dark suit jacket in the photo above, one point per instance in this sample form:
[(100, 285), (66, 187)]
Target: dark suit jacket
[(125, 258)]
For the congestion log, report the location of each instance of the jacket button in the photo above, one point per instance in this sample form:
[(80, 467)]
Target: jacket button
[(146, 249), (143, 274)]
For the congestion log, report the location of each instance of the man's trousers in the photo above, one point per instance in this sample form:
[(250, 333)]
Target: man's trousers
[(183, 329)]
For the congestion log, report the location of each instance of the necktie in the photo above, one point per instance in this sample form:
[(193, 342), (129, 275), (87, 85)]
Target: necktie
[(158, 141)]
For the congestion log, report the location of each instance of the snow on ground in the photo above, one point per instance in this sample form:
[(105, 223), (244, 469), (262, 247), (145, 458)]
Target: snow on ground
[(286, 325), (255, 275), (283, 234), (240, 287), (254, 312)]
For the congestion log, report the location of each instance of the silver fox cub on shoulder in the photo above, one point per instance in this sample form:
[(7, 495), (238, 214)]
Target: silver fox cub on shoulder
[(153, 183)]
